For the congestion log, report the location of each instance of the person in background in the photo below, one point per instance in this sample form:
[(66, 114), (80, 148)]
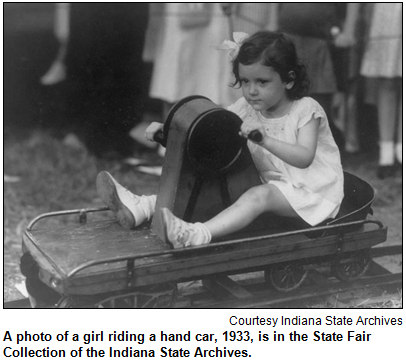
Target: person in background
[(347, 50), (57, 72), (382, 62), (179, 44), (252, 17), (310, 26), (100, 60), (184, 63)]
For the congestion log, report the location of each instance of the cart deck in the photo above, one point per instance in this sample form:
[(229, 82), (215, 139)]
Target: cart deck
[(101, 257)]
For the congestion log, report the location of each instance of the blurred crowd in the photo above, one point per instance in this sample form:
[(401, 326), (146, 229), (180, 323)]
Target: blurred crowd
[(124, 61)]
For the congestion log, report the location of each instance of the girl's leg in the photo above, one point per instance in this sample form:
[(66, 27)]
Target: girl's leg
[(130, 210), (254, 202)]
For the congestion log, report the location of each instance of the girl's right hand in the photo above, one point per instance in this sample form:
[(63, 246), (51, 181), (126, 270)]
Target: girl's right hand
[(153, 128), (247, 129)]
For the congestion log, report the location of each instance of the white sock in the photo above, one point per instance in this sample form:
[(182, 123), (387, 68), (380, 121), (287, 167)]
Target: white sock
[(198, 234), (206, 234), (147, 204), (386, 153), (399, 151)]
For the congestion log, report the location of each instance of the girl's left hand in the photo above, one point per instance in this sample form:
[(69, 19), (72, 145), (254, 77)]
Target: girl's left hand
[(248, 127), (153, 128)]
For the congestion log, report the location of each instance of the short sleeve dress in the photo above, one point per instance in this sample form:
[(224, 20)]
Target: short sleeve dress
[(315, 192)]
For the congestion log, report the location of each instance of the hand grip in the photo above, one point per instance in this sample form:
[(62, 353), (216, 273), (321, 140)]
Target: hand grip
[(255, 136), (160, 138)]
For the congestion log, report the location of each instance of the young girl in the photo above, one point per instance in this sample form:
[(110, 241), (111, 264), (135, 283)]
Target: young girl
[(297, 158)]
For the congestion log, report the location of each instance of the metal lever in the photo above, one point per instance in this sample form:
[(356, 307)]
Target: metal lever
[(255, 136), (160, 138)]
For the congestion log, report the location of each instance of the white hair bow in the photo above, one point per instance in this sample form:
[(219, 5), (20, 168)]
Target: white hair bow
[(233, 47)]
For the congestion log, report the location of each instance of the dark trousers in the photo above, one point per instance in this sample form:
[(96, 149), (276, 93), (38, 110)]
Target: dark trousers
[(108, 87)]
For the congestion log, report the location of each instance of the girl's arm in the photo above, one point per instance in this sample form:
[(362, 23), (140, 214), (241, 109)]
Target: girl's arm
[(301, 154)]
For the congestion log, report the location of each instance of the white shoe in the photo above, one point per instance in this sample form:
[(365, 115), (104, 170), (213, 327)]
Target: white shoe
[(129, 209), (182, 234)]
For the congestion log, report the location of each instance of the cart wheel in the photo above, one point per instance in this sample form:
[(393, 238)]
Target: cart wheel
[(41, 295), (65, 302), (157, 296), (160, 296), (287, 277), (352, 267)]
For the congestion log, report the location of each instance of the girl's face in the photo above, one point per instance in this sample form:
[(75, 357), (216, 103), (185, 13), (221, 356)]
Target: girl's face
[(264, 89)]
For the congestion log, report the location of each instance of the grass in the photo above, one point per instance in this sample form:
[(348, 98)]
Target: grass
[(54, 176)]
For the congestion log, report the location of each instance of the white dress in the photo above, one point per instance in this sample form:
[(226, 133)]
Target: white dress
[(383, 54), (185, 60), (315, 192)]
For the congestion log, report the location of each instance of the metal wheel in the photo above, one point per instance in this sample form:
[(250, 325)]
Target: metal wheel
[(286, 277), (65, 302), (40, 294), (353, 266), (157, 296), (150, 297)]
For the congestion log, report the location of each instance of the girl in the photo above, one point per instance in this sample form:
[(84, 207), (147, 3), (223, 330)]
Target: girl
[(297, 158)]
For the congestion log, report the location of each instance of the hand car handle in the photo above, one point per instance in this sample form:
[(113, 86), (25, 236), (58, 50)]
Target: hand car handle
[(159, 138), (255, 136)]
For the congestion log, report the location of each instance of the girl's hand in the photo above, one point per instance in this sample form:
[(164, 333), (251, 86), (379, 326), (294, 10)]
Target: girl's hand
[(248, 127), (344, 40), (153, 128)]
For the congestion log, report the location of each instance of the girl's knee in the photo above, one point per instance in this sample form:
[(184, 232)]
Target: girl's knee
[(258, 195)]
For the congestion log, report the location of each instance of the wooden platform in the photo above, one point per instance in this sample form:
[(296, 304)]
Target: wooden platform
[(101, 257)]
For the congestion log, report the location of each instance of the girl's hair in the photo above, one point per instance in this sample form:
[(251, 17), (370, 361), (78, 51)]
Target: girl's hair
[(274, 50)]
